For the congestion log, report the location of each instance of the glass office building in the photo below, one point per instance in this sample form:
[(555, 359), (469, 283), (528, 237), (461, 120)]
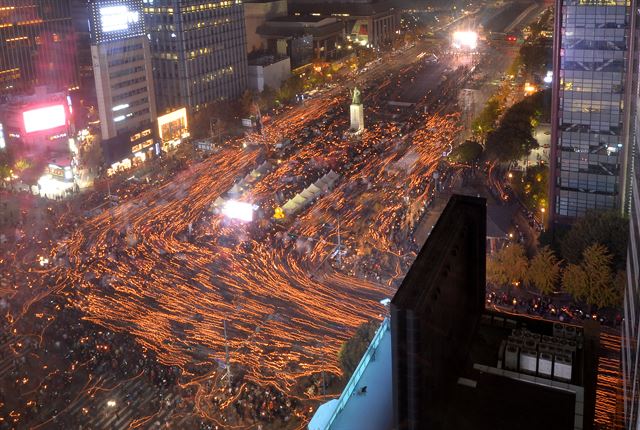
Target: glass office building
[(199, 51), (37, 46), (631, 325), (592, 107)]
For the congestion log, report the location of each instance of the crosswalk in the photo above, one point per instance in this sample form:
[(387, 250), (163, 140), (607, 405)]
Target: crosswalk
[(13, 351), (110, 405), (106, 402)]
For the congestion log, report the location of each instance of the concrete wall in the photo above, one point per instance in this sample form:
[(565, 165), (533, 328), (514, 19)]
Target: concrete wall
[(271, 75)]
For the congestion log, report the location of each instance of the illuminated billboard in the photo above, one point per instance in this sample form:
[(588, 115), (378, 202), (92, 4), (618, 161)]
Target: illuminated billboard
[(173, 125), (44, 118), (3, 144), (116, 20), (238, 210)]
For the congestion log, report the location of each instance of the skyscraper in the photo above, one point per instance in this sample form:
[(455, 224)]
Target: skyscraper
[(121, 66), (592, 107), (36, 46), (630, 334), (199, 51)]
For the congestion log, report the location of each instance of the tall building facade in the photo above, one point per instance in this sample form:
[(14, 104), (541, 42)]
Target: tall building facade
[(592, 107), (121, 67), (37, 46), (199, 51), (631, 326), (367, 22)]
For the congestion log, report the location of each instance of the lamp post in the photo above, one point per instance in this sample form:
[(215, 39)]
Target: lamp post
[(542, 211)]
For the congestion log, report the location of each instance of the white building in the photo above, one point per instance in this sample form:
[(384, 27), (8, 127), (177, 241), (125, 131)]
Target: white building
[(268, 71), (122, 67)]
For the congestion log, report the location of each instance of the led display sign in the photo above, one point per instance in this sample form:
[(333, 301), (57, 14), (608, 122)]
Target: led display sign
[(3, 144), (44, 118), (114, 18)]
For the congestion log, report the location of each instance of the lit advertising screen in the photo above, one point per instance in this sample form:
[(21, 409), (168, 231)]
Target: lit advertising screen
[(44, 118), (3, 144), (173, 125), (116, 19)]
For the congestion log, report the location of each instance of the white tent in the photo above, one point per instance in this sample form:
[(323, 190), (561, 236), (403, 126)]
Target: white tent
[(290, 207), (236, 190), (299, 200)]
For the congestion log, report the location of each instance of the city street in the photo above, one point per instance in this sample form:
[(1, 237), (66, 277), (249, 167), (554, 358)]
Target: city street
[(185, 284)]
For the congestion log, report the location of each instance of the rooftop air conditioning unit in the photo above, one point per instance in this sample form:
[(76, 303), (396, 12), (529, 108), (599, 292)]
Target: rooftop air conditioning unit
[(562, 368), (545, 365), (558, 329), (511, 357), (570, 332), (528, 361)]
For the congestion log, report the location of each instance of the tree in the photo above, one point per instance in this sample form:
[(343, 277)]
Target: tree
[(267, 98), (5, 171), (466, 152), (544, 271), (536, 57), (533, 188), (292, 86), (21, 165), (605, 227), (92, 155), (507, 266), (353, 349), (593, 280), (246, 103), (224, 113), (6, 161), (513, 139), (486, 121)]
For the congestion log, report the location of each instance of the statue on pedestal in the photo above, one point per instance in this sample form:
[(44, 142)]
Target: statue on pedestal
[(355, 96), (357, 111)]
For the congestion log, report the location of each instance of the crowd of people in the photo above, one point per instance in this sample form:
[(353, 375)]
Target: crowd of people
[(55, 364), (561, 308)]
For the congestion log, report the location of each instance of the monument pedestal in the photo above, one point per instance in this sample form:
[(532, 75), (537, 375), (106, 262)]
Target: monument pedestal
[(357, 118)]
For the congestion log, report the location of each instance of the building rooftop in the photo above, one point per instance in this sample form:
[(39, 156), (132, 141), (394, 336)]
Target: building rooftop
[(484, 398), (456, 365), (496, 397), (372, 409), (290, 26), (349, 8), (262, 1), (266, 60), (497, 402), (299, 18)]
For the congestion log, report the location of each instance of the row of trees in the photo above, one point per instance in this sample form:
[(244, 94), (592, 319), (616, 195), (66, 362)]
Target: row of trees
[(532, 186), (536, 53), (513, 138), (10, 163), (592, 280), (353, 349)]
